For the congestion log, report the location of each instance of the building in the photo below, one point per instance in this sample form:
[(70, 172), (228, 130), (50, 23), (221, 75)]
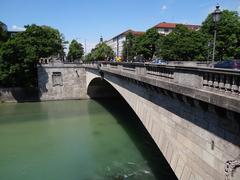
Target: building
[(116, 43), (165, 28), (13, 33)]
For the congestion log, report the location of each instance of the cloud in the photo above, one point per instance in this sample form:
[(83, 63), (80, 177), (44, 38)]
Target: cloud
[(17, 28), (163, 8)]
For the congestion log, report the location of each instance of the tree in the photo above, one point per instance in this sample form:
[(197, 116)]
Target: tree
[(183, 44), (228, 34), (20, 54), (146, 44), (75, 51), (3, 32), (102, 52), (129, 47)]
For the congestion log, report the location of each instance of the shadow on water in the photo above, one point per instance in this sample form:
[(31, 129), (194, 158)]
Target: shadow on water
[(127, 118)]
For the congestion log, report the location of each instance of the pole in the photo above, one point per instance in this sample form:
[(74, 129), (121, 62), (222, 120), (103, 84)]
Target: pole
[(214, 46), (85, 44), (127, 49)]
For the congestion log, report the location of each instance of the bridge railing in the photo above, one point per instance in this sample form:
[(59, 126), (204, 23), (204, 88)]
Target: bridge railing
[(222, 81), (211, 79), (160, 71)]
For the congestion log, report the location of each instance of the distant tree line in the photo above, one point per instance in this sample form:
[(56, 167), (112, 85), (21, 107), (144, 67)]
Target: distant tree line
[(184, 44), (20, 54)]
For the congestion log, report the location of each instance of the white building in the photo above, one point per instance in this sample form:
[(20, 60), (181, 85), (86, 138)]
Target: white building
[(116, 43), (165, 28)]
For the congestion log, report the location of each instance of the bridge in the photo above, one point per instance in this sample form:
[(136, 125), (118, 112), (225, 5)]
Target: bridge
[(192, 113)]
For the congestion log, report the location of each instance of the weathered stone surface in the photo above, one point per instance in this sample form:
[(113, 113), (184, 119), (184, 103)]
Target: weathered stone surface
[(192, 139), (18, 94), (72, 86)]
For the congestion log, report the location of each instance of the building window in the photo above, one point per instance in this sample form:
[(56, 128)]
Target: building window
[(166, 30), (57, 79)]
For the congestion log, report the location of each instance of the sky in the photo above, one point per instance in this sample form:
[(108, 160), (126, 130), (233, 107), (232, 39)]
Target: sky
[(88, 20)]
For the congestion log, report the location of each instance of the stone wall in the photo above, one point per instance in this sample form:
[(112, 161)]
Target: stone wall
[(18, 94), (196, 138), (61, 81)]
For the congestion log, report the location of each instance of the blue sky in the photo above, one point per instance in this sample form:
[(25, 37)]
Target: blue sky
[(89, 19)]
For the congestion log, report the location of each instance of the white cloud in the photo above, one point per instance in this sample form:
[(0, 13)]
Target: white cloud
[(17, 28), (163, 8)]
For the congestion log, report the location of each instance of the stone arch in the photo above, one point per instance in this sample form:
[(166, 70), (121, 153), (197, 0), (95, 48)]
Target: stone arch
[(186, 145), (100, 88)]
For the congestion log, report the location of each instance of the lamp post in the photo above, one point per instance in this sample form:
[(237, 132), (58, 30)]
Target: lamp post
[(216, 17), (127, 48)]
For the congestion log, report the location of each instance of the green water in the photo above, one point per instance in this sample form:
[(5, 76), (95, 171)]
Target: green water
[(76, 140)]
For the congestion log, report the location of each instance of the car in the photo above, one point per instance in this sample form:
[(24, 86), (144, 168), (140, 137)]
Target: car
[(228, 64), (158, 61)]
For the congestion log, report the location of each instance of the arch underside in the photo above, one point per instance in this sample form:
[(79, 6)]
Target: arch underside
[(186, 145)]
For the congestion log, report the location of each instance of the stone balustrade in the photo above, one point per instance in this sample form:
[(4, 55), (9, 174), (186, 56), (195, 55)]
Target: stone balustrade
[(217, 80), (211, 85), (222, 81)]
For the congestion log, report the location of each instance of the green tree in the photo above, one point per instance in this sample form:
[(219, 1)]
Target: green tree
[(102, 52), (228, 34), (147, 43), (20, 54), (183, 44), (129, 47), (75, 51), (3, 32)]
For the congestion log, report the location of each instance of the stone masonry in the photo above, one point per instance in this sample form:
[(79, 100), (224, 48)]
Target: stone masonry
[(61, 81), (196, 140)]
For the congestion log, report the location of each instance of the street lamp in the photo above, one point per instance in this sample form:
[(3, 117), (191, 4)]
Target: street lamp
[(216, 17)]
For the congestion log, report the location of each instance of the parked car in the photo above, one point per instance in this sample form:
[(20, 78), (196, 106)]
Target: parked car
[(158, 61), (228, 64)]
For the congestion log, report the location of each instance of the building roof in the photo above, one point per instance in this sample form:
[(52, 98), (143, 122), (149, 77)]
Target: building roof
[(173, 25), (165, 25), (136, 33)]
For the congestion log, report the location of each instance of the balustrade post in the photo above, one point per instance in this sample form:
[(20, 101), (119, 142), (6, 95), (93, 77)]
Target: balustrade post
[(216, 81), (221, 82), (141, 71), (210, 80), (205, 79), (227, 84), (234, 85)]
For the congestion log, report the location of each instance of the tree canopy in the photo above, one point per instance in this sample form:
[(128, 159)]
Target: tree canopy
[(183, 44), (102, 52), (228, 34), (129, 47), (76, 51), (3, 32), (20, 54)]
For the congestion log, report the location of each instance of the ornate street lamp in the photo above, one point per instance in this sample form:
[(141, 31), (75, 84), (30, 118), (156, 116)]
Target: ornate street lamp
[(216, 17)]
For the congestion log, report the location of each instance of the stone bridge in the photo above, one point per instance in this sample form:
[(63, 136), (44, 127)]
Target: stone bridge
[(192, 113)]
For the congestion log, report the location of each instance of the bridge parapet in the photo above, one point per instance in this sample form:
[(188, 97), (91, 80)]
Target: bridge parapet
[(219, 87)]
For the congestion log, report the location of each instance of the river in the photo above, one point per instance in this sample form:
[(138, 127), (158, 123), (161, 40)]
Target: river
[(77, 140)]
